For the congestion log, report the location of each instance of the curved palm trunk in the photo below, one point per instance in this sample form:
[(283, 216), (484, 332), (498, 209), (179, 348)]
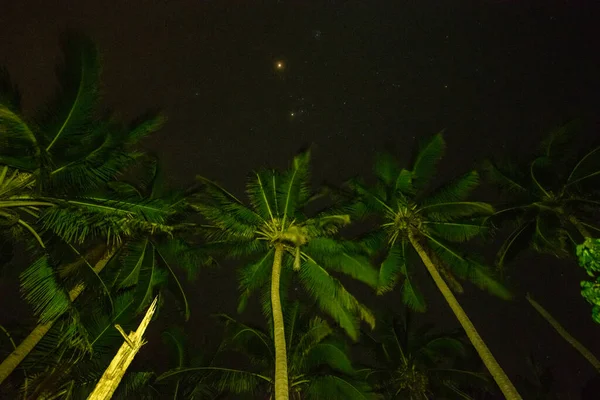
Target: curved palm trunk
[(12, 361), (562, 332), (281, 373), (502, 380)]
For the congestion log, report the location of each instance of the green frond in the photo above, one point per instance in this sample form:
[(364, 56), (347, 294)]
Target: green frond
[(224, 210), (342, 257), (241, 337), (133, 255), (262, 192), (294, 190), (386, 169), (577, 175), (41, 288), (326, 223), (144, 126), (458, 190), (318, 330), (339, 388), (253, 277), (333, 298), (518, 240), (443, 346), (506, 178), (391, 267), (425, 164), (468, 269), (411, 295), (9, 92), (457, 231), (71, 110), (173, 279), (19, 145), (330, 354), (549, 236), (369, 202), (136, 385)]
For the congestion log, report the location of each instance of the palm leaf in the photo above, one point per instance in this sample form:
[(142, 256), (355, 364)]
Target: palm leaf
[(426, 162)]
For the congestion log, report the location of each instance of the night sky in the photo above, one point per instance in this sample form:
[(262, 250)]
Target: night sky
[(356, 77)]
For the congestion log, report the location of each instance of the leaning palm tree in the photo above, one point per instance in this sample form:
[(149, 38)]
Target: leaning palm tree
[(418, 224), (149, 234), (318, 363), (419, 363), (280, 239), (49, 165)]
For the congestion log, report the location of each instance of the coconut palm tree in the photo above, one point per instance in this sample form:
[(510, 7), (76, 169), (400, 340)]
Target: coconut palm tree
[(281, 239), (148, 229), (549, 203), (419, 363), (418, 224), (49, 165), (318, 362)]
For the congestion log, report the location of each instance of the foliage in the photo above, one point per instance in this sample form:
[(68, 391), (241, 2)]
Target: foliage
[(276, 216), (588, 254), (551, 206), (442, 218), (318, 363), (419, 363)]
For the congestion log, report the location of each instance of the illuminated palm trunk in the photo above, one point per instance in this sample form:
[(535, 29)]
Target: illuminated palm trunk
[(565, 335), (281, 374), (113, 375), (502, 380), (12, 361)]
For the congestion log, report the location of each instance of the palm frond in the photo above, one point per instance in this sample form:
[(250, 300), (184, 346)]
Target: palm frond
[(426, 162), (253, 277), (41, 288), (457, 231), (459, 209), (342, 257), (459, 190), (262, 192), (294, 190), (468, 269), (333, 298), (504, 178)]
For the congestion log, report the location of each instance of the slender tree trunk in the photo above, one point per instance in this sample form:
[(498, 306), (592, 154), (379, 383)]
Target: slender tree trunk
[(106, 386), (502, 380), (12, 361), (281, 373), (562, 332)]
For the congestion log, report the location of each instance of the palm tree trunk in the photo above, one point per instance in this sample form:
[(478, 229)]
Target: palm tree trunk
[(281, 373), (502, 380), (12, 361), (562, 332), (106, 386)]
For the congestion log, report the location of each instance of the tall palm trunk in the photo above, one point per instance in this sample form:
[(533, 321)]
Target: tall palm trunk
[(502, 380), (12, 361), (281, 373), (562, 332)]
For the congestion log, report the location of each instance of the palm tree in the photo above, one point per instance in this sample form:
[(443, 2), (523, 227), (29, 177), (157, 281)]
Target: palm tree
[(549, 204), (416, 223), (551, 209), (318, 363), (281, 239), (150, 228), (419, 364), (48, 165)]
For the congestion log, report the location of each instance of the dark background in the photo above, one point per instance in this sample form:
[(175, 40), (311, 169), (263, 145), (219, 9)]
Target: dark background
[(359, 77)]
